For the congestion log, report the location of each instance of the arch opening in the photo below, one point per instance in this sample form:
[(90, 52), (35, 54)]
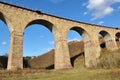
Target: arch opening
[(4, 42), (117, 36), (104, 38), (76, 39), (45, 23), (38, 45)]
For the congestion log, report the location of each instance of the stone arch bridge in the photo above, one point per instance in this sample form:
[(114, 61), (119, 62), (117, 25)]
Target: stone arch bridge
[(18, 18)]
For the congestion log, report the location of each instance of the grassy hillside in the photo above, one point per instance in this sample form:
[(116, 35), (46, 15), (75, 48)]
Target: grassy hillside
[(46, 60)]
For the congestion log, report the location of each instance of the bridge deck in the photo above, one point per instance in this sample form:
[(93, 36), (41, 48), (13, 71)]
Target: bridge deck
[(39, 12)]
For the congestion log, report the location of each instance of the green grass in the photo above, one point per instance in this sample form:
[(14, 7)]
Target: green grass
[(70, 74)]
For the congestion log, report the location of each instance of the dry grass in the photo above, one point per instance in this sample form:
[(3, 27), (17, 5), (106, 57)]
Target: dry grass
[(110, 60), (44, 61), (72, 74)]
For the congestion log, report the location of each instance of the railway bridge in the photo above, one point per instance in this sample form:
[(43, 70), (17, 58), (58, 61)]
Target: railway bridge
[(18, 19)]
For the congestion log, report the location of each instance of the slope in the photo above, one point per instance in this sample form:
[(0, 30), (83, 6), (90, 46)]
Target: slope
[(46, 61)]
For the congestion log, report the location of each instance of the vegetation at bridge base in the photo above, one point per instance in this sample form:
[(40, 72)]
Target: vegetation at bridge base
[(3, 62), (109, 59)]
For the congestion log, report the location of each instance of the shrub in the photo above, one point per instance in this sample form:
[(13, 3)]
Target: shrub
[(110, 60)]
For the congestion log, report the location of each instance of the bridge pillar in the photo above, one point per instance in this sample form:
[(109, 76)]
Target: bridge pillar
[(92, 53), (62, 57), (111, 44), (15, 59)]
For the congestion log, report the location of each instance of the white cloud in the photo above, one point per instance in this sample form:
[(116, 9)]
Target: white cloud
[(51, 42), (116, 0), (74, 39), (4, 43), (56, 1), (101, 22), (85, 13), (101, 8), (47, 49)]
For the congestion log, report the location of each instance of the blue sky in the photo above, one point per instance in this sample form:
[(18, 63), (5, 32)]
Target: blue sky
[(38, 39)]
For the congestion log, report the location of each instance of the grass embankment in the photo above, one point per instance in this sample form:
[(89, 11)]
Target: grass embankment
[(71, 74)]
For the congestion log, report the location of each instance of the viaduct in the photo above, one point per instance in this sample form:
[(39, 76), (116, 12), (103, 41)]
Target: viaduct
[(18, 18)]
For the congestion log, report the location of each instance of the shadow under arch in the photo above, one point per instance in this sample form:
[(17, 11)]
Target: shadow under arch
[(117, 35), (3, 18), (45, 23), (4, 58), (6, 21), (117, 38), (85, 37), (104, 37), (51, 28)]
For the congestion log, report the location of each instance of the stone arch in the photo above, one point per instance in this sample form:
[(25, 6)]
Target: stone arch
[(6, 21), (117, 36), (87, 42), (106, 40), (45, 23), (50, 27), (5, 58), (82, 33)]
